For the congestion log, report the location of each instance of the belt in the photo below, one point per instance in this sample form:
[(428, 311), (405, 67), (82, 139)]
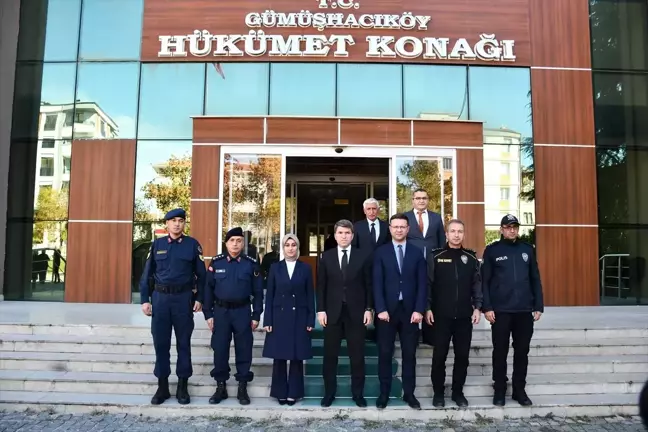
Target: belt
[(231, 304), (172, 289)]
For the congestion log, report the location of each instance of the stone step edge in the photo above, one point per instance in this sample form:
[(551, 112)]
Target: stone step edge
[(612, 405)]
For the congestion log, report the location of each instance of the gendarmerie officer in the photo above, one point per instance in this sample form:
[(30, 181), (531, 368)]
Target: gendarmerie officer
[(512, 302), (176, 265), (455, 300), (233, 282)]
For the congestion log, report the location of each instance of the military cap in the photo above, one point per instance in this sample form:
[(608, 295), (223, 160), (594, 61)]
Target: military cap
[(175, 213), (234, 232)]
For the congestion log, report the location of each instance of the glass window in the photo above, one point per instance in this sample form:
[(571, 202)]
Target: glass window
[(622, 265), (111, 29), (237, 89), (428, 173), (162, 179), (47, 144), (169, 95), (622, 178), (501, 98), (508, 183), (435, 92), (252, 199), (619, 34), (306, 89), (47, 167), (526, 233), (621, 109), (370, 90), (106, 101), (51, 30)]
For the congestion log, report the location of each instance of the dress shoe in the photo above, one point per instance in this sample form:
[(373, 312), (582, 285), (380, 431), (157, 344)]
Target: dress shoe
[(327, 401), (242, 394), (220, 394), (360, 402), (162, 392), (460, 399), (182, 392), (438, 401), (499, 399), (412, 402), (282, 401), (521, 397), (382, 401), (291, 402)]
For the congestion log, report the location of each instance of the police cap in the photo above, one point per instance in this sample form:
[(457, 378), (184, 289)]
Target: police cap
[(175, 213), (509, 219), (234, 232)]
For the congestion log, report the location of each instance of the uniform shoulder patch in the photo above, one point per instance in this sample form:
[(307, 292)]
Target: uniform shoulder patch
[(250, 258), (218, 257)]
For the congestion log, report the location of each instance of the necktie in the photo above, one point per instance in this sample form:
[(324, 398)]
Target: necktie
[(345, 262), (420, 222), (400, 267), (372, 233)]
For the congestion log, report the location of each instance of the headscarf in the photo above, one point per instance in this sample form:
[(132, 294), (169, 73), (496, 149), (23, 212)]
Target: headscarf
[(283, 245)]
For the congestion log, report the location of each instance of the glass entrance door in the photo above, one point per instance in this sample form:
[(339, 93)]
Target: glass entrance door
[(257, 195)]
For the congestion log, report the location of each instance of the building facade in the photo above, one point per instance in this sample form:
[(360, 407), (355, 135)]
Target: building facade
[(285, 119)]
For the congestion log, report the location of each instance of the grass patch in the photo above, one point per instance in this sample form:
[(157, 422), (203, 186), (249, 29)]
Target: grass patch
[(98, 412), (480, 420)]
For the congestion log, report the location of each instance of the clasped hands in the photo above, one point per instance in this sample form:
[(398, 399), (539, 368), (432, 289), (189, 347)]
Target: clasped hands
[(415, 319), (323, 320)]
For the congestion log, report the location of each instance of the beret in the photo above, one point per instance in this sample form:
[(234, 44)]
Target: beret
[(234, 232), (175, 213)]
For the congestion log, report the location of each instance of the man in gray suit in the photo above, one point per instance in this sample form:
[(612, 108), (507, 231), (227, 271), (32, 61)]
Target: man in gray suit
[(426, 227)]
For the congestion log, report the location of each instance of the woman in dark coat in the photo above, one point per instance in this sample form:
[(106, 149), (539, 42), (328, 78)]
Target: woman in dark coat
[(289, 319)]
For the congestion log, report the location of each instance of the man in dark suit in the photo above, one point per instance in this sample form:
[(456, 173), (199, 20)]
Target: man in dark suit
[(400, 293), (344, 307), (371, 232), (426, 227)]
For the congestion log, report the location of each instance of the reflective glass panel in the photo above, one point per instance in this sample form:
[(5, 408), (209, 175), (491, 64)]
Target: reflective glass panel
[(162, 179), (369, 90), (509, 183), (621, 109), (619, 34), (430, 174), (252, 200), (237, 89), (51, 30), (622, 263), (106, 101), (526, 233), (111, 29), (501, 98), (169, 95), (435, 92), (622, 176), (305, 89)]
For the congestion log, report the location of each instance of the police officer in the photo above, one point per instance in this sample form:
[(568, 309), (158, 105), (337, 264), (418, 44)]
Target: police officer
[(176, 266), (512, 302), (233, 280), (455, 300)]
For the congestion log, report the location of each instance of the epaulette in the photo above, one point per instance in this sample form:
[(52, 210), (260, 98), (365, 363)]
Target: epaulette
[(470, 252), (494, 242), (218, 257), (250, 258), (437, 249)]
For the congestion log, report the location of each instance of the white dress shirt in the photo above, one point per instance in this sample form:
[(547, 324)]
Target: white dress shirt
[(426, 220), (348, 249), (376, 227), (291, 268)]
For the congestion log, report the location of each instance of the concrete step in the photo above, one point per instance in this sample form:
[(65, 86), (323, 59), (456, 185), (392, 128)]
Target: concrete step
[(201, 347), (481, 331), (481, 407), (202, 385)]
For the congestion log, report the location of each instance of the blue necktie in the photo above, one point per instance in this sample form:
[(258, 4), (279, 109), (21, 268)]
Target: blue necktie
[(400, 267)]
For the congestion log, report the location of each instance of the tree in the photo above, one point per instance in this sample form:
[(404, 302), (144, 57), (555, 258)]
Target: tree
[(175, 188), (50, 214), (419, 174)]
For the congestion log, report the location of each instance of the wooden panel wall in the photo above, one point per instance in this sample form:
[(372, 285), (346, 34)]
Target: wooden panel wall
[(205, 177), (470, 196), (565, 174), (100, 230), (453, 19)]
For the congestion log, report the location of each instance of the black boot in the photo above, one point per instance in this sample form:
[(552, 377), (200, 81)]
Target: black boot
[(182, 393), (162, 392), (459, 398), (521, 397), (220, 394), (242, 394), (499, 398)]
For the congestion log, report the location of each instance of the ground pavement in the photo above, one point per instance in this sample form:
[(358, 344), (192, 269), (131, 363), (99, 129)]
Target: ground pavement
[(99, 421)]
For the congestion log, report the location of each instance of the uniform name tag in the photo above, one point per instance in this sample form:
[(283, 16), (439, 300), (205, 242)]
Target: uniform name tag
[(444, 260), (219, 270), (161, 252), (502, 258)]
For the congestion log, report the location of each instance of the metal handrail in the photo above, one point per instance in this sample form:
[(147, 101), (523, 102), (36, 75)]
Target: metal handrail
[(619, 276)]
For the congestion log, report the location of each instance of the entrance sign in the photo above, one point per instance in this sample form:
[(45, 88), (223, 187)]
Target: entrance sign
[(457, 31)]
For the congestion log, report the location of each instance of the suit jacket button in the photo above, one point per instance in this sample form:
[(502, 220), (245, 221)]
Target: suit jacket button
[(293, 308)]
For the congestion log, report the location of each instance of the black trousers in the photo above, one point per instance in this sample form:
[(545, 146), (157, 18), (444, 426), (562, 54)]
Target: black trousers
[(520, 325), (399, 322), (459, 330), (354, 332), (287, 384)]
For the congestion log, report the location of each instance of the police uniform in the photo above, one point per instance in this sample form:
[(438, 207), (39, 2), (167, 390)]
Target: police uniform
[(232, 284), (513, 290), (455, 291), (176, 268)]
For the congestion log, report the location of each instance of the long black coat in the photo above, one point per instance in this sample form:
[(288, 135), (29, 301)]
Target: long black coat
[(289, 309)]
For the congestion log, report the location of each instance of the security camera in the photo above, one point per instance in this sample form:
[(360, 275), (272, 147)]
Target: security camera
[(339, 150)]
